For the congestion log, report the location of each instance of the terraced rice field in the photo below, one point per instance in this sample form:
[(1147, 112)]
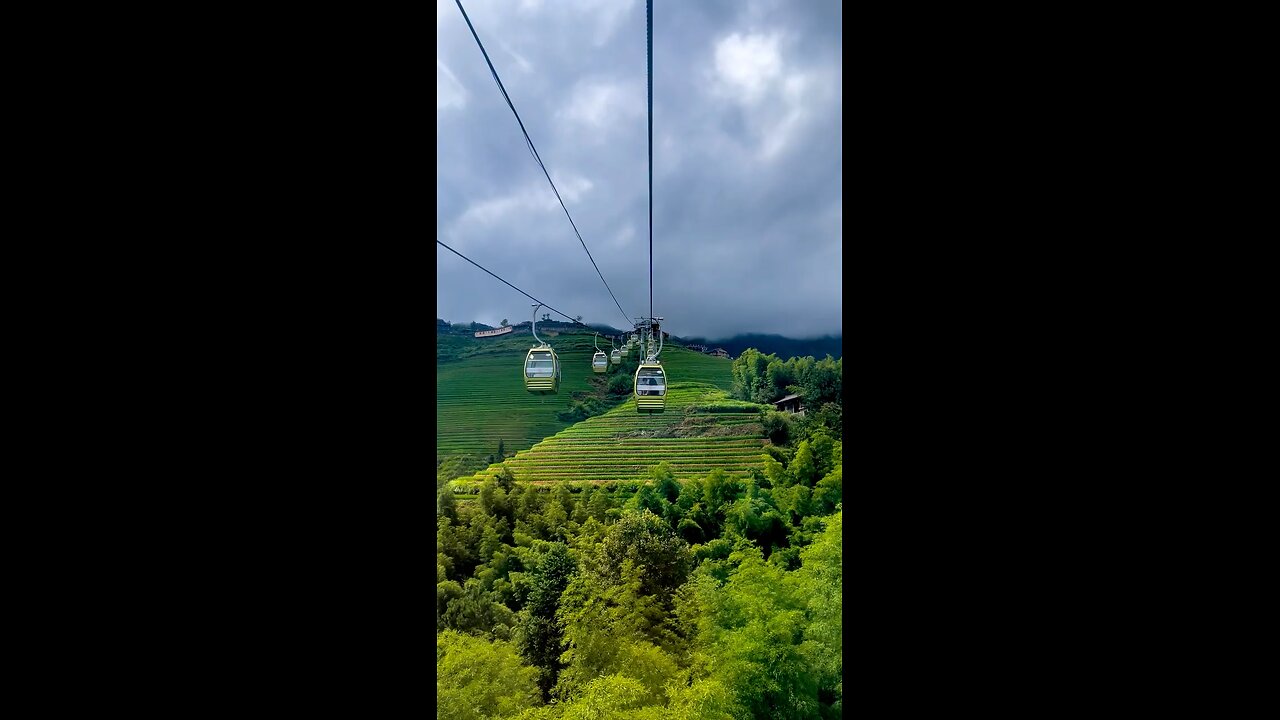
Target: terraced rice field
[(689, 366), (480, 399), (614, 446)]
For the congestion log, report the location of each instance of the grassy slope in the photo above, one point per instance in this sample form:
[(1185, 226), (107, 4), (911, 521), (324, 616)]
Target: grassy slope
[(611, 447), (688, 366), (614, 446), (480, 397)]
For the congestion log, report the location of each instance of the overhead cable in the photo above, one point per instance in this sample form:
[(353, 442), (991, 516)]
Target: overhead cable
[(648, 38), (537, 157), (513, 287)]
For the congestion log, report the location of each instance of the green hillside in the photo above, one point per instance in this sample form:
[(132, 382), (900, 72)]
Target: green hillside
[(622, 444), (480, 395), (480, 398), (689, 366)]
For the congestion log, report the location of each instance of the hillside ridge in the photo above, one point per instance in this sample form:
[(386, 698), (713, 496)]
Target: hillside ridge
[(702, 430), (481, 400)]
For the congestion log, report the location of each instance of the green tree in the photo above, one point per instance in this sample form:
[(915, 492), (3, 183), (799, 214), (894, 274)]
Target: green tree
[(505, 478), (490, 541), (690, 530), (665, 484), (741, 374), (493, 499), (752, 632), (829, 492), (446, 592), (777, 427), (820, 581), (446, 503), (662, 557), (616, 612), (554, 521), (478, 679), (803, 467), (779, 376), (823, 447), (822, 384), (720, 490), (750, 376), (754, 517), (612, 697), (460, 542), (705, 699), (646, 500), (800, 368), (606, 626), (621, 382), (794, 502), (531, 503), (474, 612), (775, 473), (563, 496), (541, 633), (830, 416), (600, 504), (581, 510)]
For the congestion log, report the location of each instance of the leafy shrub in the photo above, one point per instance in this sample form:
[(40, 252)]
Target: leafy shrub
[(476, 679), (620, 384), (723, 406), (777, 427), (778, 453)]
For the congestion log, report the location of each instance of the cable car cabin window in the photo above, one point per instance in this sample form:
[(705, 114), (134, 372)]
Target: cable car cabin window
[(539, 365), (651, 382)]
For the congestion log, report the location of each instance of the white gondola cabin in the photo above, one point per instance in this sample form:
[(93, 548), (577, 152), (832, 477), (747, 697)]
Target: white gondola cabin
[(599, 362), (651, 388), (541, 364), (542, 370)]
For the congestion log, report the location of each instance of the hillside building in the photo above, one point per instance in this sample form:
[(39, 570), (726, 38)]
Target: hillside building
[(791, 404)]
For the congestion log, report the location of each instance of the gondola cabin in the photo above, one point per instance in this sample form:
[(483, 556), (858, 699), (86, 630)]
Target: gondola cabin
[(542, 371), (599, 362), (651, 388), (615, 357)]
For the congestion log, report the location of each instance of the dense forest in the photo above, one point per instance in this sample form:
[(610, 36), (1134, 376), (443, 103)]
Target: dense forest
[(712, 597)]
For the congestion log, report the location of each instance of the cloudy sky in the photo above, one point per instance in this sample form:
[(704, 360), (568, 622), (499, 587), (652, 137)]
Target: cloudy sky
[(747, 216)]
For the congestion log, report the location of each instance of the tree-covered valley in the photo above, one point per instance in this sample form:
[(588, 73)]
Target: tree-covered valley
[(703, 595)]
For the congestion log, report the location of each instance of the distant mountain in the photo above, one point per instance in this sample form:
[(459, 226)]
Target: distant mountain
[(783, 347), (606, 329)]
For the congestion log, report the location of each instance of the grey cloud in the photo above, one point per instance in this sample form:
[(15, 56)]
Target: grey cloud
[(744, 240)]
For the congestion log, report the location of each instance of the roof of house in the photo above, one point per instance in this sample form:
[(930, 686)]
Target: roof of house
[(789, 397)]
